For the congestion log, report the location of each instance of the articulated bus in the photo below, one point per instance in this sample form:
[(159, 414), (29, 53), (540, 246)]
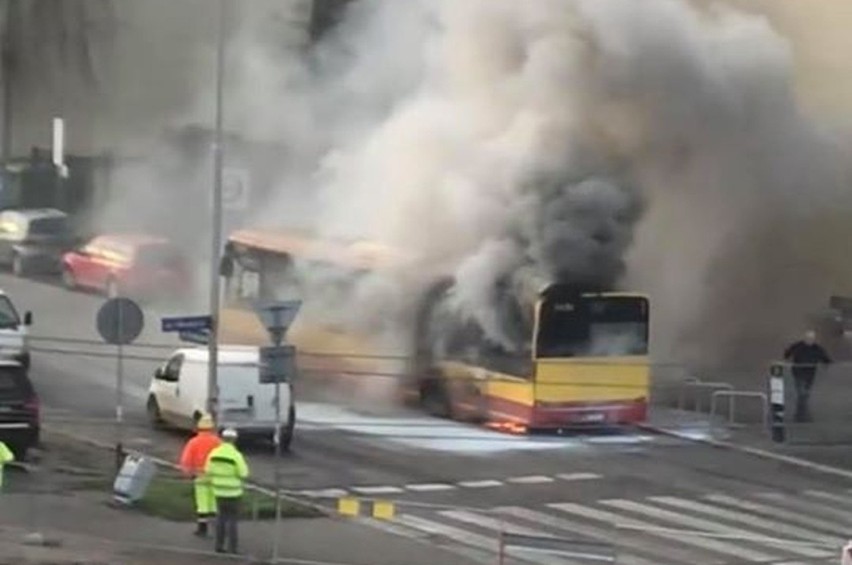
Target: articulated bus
[(566, 357)]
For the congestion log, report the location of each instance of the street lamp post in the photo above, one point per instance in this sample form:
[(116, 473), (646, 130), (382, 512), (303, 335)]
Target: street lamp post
[(216, 238)]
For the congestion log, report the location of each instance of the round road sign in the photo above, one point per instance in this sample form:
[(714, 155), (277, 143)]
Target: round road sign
[(120, 321)]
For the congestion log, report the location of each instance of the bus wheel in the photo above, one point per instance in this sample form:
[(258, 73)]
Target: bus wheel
[(155, 418)]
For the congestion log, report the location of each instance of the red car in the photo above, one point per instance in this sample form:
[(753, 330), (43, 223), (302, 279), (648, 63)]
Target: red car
[(137, 265)]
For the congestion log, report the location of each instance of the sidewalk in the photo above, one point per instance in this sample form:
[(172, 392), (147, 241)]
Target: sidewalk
[(102, 534), (700, 427)]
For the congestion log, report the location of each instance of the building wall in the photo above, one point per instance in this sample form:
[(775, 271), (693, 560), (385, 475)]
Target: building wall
[(120, 71)]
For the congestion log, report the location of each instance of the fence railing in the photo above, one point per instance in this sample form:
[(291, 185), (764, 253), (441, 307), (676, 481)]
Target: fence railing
[(732, 396), (693, 384)]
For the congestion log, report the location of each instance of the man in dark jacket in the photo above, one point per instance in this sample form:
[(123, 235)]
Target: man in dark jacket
[(805, 355)]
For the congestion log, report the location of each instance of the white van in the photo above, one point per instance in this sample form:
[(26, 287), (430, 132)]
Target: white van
[(178, 394), (14, 342)]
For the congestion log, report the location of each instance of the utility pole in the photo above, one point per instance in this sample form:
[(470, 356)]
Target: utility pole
[(216, 236), (7, 63)]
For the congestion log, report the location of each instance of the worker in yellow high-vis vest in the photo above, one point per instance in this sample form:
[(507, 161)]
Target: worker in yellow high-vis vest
[(227, 471), (6, 456)]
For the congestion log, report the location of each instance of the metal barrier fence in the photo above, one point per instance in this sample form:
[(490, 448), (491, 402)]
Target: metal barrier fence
[(732, 395), (359, 378), (693, 384)]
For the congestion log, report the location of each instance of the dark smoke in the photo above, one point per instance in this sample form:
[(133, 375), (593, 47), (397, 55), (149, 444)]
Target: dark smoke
[(580, 232)]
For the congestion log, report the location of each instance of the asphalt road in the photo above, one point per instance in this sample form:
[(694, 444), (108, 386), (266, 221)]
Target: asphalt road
[(659, 500)]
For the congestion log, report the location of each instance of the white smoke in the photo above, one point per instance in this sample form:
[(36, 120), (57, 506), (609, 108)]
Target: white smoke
[(480, 135), (740, 179), (478, 157)]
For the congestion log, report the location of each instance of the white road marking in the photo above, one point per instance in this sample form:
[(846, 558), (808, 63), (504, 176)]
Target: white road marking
[(576, 528), (579, 476), (835, 498), (530, 480), (324, 493), (808, 507), (791, 533), (680, 520), (774, 512), (377, 490), (465, 537), (429, 487), (708, 544), (499, 525), (488, 522), (480, 484), (457, 534)]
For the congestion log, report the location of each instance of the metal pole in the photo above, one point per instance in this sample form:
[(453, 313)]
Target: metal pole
[(277, 340), (277, 470), (216, 238), (62, 200), (119, 394), (6, 62)]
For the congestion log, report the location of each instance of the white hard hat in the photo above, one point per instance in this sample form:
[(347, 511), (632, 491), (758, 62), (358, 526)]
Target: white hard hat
[(229, 433)]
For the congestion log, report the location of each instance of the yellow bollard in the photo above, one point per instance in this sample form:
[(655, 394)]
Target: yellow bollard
[(348, 506), (383, 510)]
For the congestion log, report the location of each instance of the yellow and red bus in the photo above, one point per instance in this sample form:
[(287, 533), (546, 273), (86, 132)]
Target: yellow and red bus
[(566, 357)]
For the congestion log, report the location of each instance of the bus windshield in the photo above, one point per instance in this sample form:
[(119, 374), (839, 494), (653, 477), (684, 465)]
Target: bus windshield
[(597, 326)]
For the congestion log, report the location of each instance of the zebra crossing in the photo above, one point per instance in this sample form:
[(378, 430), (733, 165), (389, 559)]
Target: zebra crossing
[(774, 528)]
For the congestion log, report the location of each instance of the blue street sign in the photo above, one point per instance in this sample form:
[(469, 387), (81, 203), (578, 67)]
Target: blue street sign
[(187, 324), (200, 337)]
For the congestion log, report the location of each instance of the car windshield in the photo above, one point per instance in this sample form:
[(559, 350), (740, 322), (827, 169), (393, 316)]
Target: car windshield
[(8, 314), (48, 226)]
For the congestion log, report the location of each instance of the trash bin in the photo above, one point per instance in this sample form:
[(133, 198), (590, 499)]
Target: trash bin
[(133, 479)]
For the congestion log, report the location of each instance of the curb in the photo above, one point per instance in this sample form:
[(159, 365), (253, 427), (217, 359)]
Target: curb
[(756, 451)]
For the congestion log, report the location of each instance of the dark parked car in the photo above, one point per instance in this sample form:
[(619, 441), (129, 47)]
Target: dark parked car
[(34, 240), (20, 422)]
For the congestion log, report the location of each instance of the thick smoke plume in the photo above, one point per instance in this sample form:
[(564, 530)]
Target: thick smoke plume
[(475, 155), (664, 145), (485, 135)]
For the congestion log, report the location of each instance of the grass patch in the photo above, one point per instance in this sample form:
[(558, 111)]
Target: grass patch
[(171, 497)]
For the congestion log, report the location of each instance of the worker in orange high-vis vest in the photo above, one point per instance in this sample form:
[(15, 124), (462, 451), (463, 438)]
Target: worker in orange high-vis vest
[(192, 462)]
